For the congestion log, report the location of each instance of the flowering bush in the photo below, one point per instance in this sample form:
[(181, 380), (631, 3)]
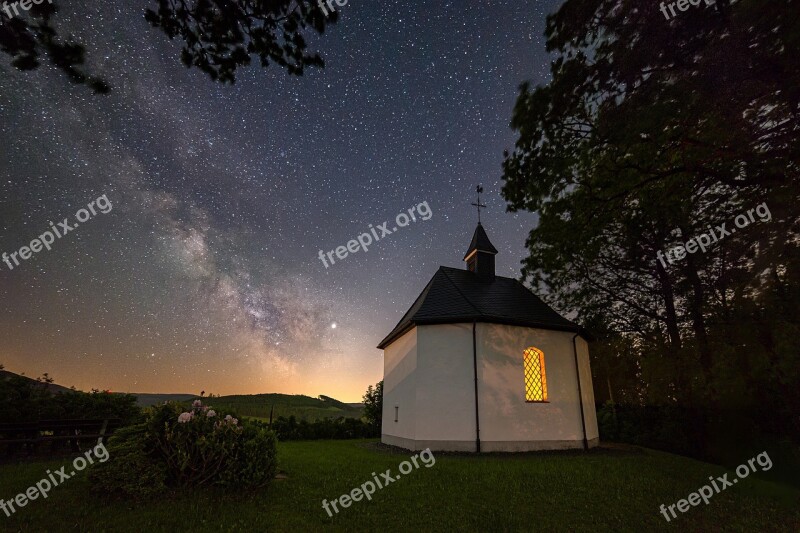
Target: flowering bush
[(198, 447)]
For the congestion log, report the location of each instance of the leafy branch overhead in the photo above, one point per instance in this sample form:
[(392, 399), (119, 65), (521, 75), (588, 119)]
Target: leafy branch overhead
[(26, 40), (219, 36)]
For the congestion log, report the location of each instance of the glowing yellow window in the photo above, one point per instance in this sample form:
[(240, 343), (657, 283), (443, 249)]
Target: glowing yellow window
[(535, 377)]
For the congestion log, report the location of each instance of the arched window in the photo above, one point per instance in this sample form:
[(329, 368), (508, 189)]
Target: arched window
[(535, 377)]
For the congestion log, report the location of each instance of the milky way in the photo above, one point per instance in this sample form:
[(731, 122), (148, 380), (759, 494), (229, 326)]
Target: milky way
[(205, 274)]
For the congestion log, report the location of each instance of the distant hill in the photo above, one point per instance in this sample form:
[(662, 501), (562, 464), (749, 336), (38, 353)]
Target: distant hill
[(299, 406), (259, 405), (142, 399), (5, 375), (253, 405), (146, 399)]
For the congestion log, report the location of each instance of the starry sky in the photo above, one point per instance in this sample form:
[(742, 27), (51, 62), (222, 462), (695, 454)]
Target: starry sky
[(204, 273)]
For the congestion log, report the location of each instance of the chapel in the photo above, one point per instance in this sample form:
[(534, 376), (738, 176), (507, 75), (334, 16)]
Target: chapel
[(479, 363)]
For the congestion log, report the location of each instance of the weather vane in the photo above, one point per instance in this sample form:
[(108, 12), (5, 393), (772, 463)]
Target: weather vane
[(479, 189)]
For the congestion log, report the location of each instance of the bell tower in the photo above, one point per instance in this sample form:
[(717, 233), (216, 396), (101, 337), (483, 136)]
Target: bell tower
[(481, 252)]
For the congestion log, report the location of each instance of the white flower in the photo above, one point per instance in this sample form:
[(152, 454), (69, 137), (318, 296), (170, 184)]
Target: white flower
[(185, 417), (197, 404), (211, 414)]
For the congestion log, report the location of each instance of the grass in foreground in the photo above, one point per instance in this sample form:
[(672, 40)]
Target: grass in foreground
[(604, 490)]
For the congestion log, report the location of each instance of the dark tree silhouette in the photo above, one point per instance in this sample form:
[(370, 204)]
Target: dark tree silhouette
[(219, 36), (650, 133), (373, 406), (27, 37)]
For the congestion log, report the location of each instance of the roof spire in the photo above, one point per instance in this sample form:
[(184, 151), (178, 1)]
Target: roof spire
[(479, 190), (480, 255)]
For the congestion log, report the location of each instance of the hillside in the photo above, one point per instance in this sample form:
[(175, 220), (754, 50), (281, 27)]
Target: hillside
[(52, 387), (299, 406), (145, 399), (254, 405), (259, 405)]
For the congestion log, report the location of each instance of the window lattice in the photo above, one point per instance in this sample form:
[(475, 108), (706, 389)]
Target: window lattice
[(535, 376)]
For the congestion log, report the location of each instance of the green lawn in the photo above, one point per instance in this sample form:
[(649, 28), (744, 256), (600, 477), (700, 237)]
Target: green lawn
[(605, 490)]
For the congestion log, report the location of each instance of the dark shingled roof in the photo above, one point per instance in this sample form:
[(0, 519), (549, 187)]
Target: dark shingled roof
[(457, 296), (480, 241)]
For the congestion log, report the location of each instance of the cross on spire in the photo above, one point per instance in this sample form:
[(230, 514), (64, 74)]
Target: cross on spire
[(479, 190)]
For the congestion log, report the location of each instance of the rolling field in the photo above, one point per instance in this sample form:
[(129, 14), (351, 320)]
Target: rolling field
[(299, 406), (259, 405)]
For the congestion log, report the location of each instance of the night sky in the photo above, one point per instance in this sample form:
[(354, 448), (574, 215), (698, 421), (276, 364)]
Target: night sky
[(205, 274)]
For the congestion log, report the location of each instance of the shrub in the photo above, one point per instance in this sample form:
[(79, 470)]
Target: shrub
[(188, 448), (328, 428), (25, 400), (132, 470), (255, 463), (194, 445)]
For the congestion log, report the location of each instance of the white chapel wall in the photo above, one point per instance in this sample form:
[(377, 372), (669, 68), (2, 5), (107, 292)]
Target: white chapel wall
[(588, 391), (446, 388), (428, 375), (399, 390), (506, 419)]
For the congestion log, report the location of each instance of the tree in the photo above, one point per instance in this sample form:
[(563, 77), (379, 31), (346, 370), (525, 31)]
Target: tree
[(632, 149), (650, 133), (27, 400), (219, 36), (373, 406), (30, 35)]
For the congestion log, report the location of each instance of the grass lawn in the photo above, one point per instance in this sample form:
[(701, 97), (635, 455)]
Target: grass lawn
[(604, 490)]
